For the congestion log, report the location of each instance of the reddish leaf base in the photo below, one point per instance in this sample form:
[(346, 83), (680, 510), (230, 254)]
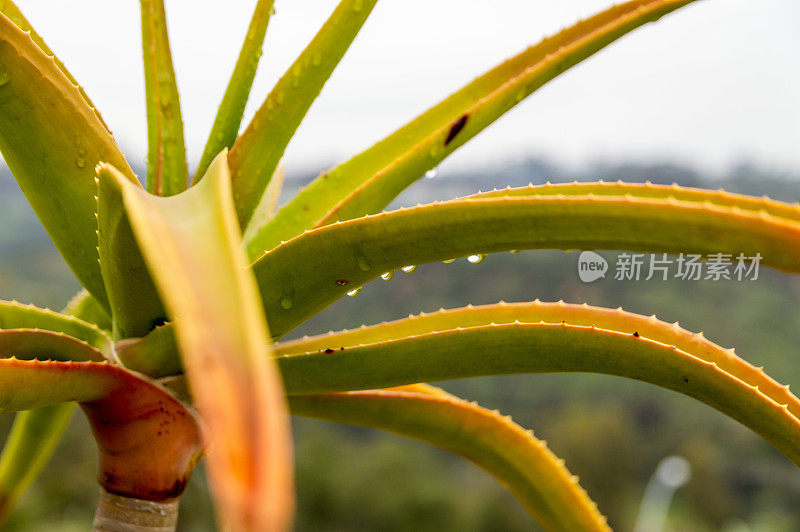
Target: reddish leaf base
[(148, 441)]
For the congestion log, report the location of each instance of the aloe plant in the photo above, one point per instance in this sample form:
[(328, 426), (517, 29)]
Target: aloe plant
[(174, 350)]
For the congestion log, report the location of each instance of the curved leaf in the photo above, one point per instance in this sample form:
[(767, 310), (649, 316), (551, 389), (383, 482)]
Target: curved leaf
[(524, 464), (51, 138), (155, 355), (148, 441), (369, 181), (299, 278), (535, 312), (15, 315), (647, 189), (256, 153), (230, 112), (35, 433), (46, 345), (192, 247), (541, 348), (167, 173)]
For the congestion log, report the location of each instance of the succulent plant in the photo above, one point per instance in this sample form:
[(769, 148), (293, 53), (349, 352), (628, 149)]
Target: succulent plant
[(173, 351)]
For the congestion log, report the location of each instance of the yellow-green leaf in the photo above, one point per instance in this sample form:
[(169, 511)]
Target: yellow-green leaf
[(167, 173), (499, 349), (230, 112), (369, 181), (539, 312), (256, 153), (512, 454), (51, 139), (299, 278), (192, 246)]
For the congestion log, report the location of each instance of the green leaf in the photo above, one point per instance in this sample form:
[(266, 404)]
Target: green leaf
[(256, 153), (45, 345), (524, 464), (51, 138), (167, 173), (193, 249), (155, 355), (647, 189), (85, 307), (35, 433), (230, 112), (14, 316), (369, 181), (269, 203), (136, 308), (9, 9), (540, 348), (538, 312), (299, 278)]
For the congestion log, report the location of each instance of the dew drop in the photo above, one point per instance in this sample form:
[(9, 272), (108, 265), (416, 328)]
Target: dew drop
[(354, 292), (476, 259), (410, 268), (387, 276), (286, 302), (432, 173), (448, 261), (513, 251), (80, 162), (363, 265)]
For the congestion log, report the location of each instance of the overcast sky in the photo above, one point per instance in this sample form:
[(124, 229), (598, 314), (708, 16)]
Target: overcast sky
[(712, 84)]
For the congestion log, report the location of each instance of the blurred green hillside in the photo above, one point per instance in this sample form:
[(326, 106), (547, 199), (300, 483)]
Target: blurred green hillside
[(611, 432)]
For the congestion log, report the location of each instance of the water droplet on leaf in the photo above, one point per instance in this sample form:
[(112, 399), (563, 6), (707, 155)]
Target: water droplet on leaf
[(410, 268), (476, 259), (286, 302), (432, 173), (354, 292), (387, 276)]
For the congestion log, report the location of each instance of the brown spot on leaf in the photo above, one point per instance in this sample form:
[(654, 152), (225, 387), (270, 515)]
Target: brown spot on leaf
[(455, 129)]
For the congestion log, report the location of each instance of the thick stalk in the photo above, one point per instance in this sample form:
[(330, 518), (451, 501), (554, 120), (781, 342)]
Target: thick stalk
[(125, 514)]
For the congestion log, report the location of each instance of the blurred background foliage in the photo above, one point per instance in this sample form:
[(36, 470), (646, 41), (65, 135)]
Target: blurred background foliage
[(611, 432)]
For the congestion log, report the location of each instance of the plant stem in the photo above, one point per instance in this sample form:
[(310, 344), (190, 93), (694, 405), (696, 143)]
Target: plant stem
[(124, 514)]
